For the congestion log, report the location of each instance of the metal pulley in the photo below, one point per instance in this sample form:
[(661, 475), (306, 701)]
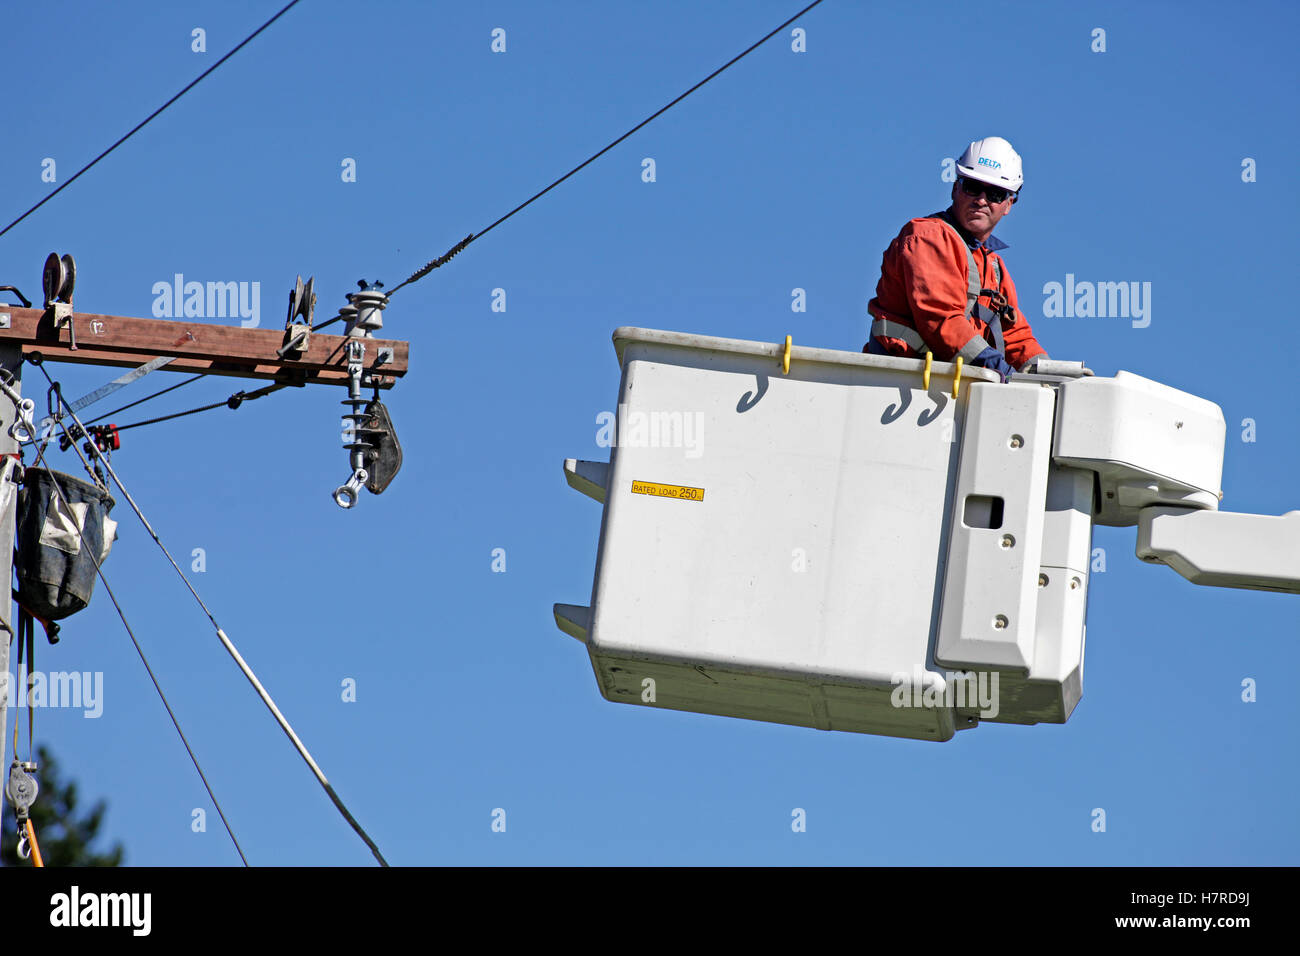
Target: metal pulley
[(21, 788), (58, 279), (297, 326)]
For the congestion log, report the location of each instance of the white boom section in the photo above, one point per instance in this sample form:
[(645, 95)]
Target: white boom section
[(840, 547), (1222, 548)]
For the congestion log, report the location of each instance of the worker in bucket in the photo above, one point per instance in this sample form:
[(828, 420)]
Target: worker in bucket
[(944, 289)]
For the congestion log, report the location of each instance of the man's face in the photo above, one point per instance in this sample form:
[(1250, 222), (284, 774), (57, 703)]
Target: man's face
[(976, 214)]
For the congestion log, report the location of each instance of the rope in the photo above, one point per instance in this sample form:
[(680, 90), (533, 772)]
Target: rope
[(20, 639), (31, 671), (36, 847)]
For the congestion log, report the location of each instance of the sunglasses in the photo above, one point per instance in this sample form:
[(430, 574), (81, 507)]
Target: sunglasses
[(994, 194)]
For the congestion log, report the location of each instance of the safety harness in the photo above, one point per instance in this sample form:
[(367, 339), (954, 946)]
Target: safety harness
[(994, 317)]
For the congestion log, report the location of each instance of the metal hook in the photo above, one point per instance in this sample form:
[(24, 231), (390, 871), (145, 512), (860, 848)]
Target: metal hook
[(54, 401)]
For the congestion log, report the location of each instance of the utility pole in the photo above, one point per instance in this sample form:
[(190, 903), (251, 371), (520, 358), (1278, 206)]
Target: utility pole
[(11, 361), (297, 355)]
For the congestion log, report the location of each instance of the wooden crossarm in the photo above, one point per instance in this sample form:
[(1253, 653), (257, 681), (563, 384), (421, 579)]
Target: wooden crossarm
[(199, 347)]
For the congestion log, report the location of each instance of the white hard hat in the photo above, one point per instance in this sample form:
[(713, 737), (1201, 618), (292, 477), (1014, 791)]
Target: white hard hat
[(992, 160)]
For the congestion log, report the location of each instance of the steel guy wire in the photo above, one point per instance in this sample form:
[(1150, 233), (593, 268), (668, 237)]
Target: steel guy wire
[(139, 126), (40, 454), (141, 401), (225, 640), (434, 264)]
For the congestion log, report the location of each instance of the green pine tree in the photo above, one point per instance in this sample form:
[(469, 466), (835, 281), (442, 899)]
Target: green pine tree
[(64, 834)]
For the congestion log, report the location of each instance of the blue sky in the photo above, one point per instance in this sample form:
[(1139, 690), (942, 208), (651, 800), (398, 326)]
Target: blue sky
[(790, 170)]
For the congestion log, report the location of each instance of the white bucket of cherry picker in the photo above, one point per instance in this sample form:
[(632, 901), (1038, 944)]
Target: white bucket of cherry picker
[(836, 546)]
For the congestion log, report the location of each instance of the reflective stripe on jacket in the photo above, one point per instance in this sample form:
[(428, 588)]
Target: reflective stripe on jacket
[(927, 294)]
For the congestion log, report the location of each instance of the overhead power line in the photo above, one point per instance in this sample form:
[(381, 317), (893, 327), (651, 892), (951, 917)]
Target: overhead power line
[(141, 401), (233, 402), (143, 123), (434, 264)]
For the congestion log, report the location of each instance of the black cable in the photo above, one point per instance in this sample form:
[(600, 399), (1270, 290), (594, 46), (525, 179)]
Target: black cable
[(429, 267), (141, 401), (130, 633), (248, 39), (167, 418), (233, 402)]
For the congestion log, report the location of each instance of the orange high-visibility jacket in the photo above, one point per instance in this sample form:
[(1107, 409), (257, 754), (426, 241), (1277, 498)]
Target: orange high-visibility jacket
[(926, 297)]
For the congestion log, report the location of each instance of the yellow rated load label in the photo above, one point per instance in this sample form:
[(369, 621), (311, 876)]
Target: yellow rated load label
[(667, 491)]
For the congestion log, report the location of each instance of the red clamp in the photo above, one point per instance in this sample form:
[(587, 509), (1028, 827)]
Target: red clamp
[(105, 437)]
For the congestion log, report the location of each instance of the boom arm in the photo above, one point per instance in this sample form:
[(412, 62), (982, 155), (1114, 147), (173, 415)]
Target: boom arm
[(1158, 457), (1224, 549)]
